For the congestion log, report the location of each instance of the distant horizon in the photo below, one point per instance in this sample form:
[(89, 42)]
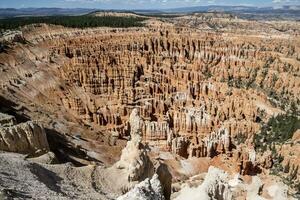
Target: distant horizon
[(140, 4), (128, 9)]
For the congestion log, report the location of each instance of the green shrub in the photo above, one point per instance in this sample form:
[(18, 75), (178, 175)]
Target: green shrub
[(278, 130)]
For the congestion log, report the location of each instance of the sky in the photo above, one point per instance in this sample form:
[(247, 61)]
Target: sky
[(138, 4)]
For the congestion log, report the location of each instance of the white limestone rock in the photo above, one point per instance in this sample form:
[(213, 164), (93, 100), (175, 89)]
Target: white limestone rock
[(134, 159), (215, 186), (254, 189), (215, 139), (136, 123), (236, 181), (278, 191), (149, 189)]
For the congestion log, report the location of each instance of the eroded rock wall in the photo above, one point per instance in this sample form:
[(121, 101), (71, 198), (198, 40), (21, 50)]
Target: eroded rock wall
[(26, 138), (185, 84)]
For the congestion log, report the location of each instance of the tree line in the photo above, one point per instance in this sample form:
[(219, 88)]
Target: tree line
[(83, 21)]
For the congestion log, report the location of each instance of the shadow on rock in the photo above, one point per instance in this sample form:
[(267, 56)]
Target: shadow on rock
[(49, 178)]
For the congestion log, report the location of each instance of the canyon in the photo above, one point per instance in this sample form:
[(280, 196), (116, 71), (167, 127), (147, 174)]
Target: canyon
[(155, 107)]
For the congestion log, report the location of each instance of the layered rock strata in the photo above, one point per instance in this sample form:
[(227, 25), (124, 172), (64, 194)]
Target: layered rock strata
[(27, 138)]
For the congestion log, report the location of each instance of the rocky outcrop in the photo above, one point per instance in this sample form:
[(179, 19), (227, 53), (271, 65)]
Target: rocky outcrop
[(27, 138), (180, 146), (246, 159), (47, 158), (278, 191), (7, 120), (137, 166), (254, 189), (136, 123), (134, 159), (266, 160), (12, 36), (215, 186), (218, 142), (165, 178), (149, 189)]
